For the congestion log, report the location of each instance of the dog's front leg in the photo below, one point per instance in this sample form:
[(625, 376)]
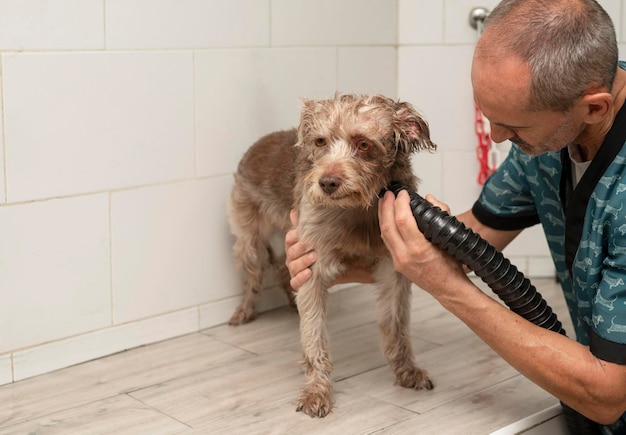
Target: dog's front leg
[(315, 399), (394, 315)]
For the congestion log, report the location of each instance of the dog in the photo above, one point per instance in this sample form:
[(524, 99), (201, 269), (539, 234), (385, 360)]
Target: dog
[(331, 169)]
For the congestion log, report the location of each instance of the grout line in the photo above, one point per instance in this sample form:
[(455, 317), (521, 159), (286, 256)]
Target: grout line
[(194, 108), (3, 125), (118, 189), (337, 68), (129, 394), (271, 30), (77, 404), (111, 294), (104, 24), (128, 323), (198, 320)]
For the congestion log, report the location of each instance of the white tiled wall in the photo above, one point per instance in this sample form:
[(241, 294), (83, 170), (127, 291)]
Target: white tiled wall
[(332, 22), (237, 85), (83, 122), (123, 120), (51, 25), (165, 242), (159, 24), (54, 270)]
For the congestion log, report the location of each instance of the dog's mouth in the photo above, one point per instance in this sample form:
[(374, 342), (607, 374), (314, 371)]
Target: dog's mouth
[(333, 193)]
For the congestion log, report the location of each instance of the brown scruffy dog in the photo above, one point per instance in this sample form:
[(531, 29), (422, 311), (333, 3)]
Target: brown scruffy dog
[(331, 170)]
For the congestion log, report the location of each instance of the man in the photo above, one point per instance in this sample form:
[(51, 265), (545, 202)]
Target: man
[(546, 75)]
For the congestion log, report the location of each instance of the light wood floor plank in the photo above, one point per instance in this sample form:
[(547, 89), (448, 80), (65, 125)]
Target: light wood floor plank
[(458, 371), (245, 385), (480, 413), (119, 415), (116, 374), (246, 380)]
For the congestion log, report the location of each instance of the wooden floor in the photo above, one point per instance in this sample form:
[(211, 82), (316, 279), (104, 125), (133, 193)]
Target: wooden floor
[(244, 380)]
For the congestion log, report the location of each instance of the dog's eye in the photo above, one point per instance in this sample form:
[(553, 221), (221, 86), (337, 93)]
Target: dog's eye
[(363, 145), (320, 141)]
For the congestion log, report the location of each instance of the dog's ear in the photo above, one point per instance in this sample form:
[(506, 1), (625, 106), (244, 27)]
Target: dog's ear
[(306, 120), (411, 130)]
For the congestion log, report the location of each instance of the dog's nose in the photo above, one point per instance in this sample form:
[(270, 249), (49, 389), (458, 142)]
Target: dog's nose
[(330, 184)]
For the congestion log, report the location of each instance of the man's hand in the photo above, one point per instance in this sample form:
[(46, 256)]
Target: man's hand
[(413, 255), (300, 258)]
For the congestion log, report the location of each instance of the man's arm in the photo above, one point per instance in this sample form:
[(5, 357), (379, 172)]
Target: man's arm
[(561, 366), (498, 238)]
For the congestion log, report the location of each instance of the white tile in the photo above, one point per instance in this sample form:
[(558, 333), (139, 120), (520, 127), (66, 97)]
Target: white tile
[(51, 24), (223, 278), (75, 350), (541, 267), (380, 64), (457, 26), (6, 369), (187, 23), (171, 248), (532, 242), (218, 312), (2, 165), (103, 121), (459, 31), (614, 9), (419, 85), (54, 270), (431, 77), (621, 29), (420, 22), (234, 107), (429, 168), (331, 22), (460, 184)]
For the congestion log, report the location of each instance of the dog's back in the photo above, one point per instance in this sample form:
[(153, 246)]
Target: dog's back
[(264, 180), (259, 207)]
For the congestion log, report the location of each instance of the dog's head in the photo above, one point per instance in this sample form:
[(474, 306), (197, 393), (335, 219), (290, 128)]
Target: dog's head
[(356, 145)]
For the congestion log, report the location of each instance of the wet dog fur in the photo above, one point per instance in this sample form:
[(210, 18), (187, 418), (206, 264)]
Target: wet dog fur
[(330, 169)]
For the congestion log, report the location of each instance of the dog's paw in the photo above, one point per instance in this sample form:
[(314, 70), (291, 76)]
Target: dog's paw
[(241, 316), (414, 378), (314, 405)]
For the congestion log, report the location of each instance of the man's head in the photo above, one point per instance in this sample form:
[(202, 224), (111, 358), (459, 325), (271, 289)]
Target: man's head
[(534, 63)]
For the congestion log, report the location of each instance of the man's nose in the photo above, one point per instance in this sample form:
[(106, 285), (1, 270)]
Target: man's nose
[(500, 134)]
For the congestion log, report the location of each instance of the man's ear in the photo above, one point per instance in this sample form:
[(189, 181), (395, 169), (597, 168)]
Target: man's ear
[(597, 106)]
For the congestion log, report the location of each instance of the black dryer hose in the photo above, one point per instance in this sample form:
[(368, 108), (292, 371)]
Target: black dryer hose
[(508, 283)]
